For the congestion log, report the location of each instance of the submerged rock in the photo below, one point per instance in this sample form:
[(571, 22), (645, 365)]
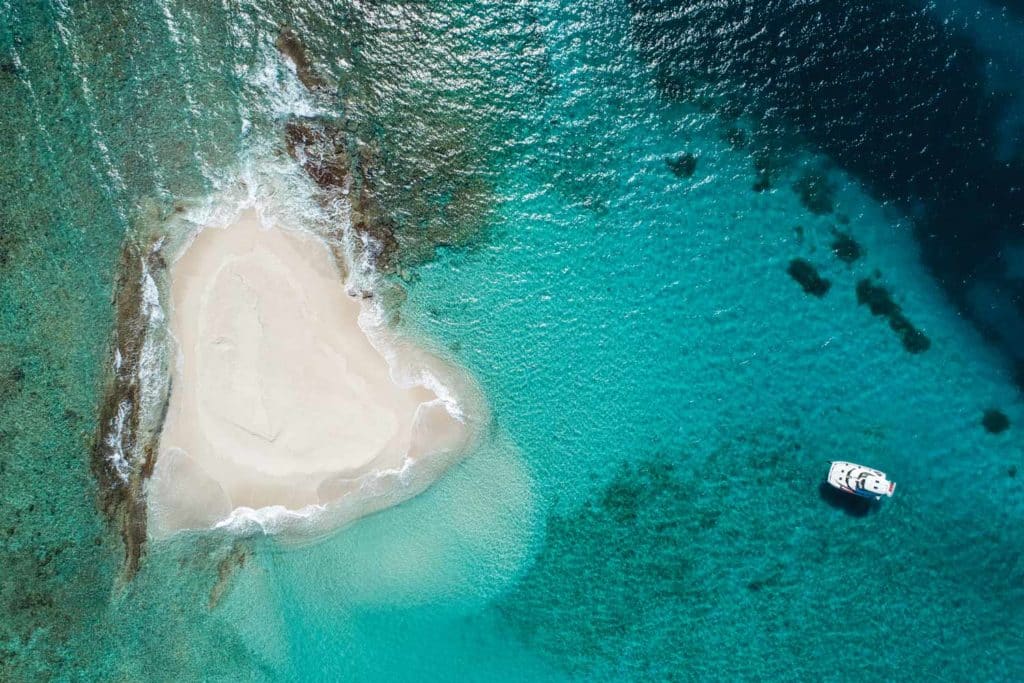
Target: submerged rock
[(683, 165), (846, 248), (8, 243), (232, 561), (11, 383), (763, 169), (124, 450), (415, 177), (290, 45), (995, 422), (878, 299), (807, 276), (323, 149), (817, 194), (736, 137)]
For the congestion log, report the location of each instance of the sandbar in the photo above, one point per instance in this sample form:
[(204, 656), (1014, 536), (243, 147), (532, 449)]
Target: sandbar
[(278, 396)]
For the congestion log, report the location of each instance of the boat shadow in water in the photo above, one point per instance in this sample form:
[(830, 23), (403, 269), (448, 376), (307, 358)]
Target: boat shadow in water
[(855, 506)]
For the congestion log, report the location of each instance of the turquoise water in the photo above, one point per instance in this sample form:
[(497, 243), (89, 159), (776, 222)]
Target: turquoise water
[(665, 397)]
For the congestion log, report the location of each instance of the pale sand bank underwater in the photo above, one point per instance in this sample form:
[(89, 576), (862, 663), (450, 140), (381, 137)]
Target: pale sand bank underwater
[(279, 399)]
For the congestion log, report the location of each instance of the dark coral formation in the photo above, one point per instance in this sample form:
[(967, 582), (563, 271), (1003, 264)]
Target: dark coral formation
[(406, 196), (808, 277), (763, 170), (878, 299), (233, 560), (289, 45), (816, 193), (650, 530), (323, 149), (995, 421), (683, 165), (736, 137), (121, 490), (8, 244), (846, 248), (11, 383), (635, 525)]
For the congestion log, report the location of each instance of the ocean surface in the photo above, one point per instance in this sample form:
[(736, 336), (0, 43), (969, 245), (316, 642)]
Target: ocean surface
[(690, 251)]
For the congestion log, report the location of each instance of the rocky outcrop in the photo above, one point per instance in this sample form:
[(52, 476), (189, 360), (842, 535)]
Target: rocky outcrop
[(878, 299), (406, 194), (289, 45), (845, 248), (343, 168), (807, 276), (816, 193), (995, 421), (124, 452), (683, 165)]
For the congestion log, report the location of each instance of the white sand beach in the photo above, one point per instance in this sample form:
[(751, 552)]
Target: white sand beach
[(278, 397)]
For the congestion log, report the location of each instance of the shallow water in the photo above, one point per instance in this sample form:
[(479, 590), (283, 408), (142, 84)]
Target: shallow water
[(665, 397)]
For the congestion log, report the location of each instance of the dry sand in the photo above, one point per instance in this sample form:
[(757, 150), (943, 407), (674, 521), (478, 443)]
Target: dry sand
[(278, 397)]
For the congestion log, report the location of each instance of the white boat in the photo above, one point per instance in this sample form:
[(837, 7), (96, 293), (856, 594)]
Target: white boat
[(859, 480)]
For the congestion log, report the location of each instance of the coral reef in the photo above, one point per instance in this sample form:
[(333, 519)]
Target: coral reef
[(124, 451), (816, 193), (878, 299), (808, 277), (683, 165), (845, 248), (995, 421)]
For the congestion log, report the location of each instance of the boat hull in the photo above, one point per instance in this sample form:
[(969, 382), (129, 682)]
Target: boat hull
[(860, 481)]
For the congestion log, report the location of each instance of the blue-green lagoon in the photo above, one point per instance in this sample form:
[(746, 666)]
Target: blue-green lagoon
[(688, 252)]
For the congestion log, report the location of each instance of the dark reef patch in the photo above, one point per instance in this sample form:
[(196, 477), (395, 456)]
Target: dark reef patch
[(650, 556), (736, 137), (885, 88), (289, 45), (816, 192), (878, 299), (8, 243), (636, 526), (995, 421), (682, 165), (11, 383), (342, 168), (763, 170), (807, 276), (232, 561), (414, 178), (845, 248), (119, 436)]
